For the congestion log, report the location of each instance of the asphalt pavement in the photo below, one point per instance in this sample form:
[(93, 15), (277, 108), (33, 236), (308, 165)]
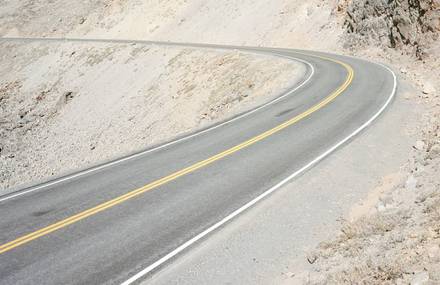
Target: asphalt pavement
[(125, 220)]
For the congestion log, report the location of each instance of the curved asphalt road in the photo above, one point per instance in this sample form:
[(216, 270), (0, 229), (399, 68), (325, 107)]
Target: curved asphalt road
[(123, 221)]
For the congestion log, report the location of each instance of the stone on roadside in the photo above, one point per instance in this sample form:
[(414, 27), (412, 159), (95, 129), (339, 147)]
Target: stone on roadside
[(420, 145), (434, 151), (434, 252), (380, 206), (407, 95), (312, 257), (420, 278), (411, 183), (428, 88), (299, 278)]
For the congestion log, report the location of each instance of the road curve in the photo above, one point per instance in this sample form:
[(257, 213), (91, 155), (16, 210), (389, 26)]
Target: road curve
[(118, 223)]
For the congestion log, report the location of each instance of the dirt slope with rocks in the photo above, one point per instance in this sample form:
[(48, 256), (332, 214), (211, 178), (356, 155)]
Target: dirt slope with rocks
[(42, 18), (284, 23), (393, 236), (68, 106), (409, 25)]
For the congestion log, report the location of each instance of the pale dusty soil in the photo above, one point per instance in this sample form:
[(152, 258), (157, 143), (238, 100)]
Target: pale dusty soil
[(233, 22), (50, 18), (393, 236), (285, 23), (71, 105)]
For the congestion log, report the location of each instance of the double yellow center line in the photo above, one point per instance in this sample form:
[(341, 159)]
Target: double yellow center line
[(101, 207)]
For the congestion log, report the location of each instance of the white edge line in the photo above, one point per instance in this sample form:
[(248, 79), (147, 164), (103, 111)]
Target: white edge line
[(263, 195), (47, 184)]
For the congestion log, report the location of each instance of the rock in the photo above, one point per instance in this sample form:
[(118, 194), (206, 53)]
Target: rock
[(408, 95), (434, 252), (385, 203), (420, 160), (300, 278), (381, 206), (420, 145), (420, 278), (312, 257), (65, 98), (434, 151), (290, 274), (420, 199), (411, 183), (428, 88), (68, 96)]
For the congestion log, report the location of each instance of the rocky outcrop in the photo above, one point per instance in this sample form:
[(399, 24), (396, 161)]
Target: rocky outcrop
[(406, 24)]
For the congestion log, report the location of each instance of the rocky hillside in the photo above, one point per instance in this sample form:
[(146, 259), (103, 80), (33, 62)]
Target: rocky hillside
[(397, 239), (412, 25)]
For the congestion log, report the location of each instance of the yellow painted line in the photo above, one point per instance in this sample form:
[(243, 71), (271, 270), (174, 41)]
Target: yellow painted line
[(101, 207)]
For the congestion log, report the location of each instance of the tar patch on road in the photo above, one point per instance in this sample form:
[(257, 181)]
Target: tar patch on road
[(285, 112)]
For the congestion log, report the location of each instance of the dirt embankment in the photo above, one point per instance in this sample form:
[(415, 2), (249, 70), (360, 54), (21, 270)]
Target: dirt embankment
[(71, 105), (41, 18), (393, 237)]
